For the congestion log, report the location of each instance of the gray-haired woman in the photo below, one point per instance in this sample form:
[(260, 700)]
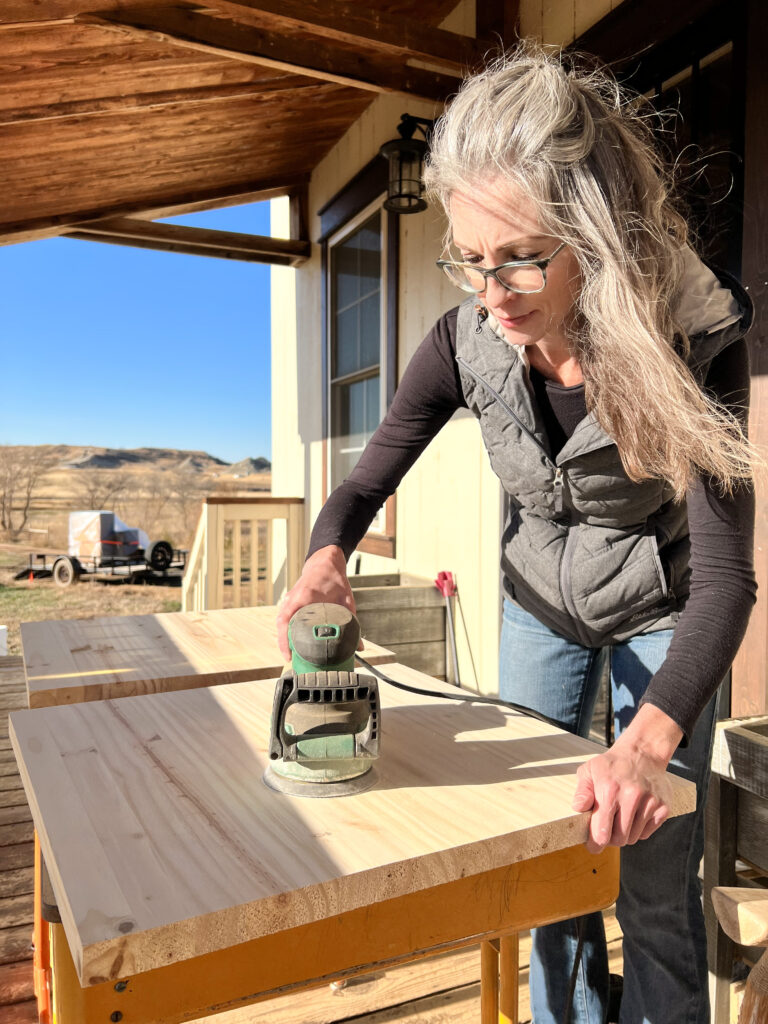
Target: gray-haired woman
[(608, 369)]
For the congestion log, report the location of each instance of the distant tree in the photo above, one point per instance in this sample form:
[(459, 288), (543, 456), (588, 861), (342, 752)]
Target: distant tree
[(100, 488), (21, 469)]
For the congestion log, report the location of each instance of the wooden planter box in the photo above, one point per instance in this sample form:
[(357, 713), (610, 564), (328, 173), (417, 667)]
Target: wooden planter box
[(405, 614)]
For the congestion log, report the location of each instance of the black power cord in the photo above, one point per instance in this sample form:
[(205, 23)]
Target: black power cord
[(468, 698), (474, 698)]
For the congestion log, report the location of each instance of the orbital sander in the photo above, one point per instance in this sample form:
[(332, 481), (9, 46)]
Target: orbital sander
[(326, 718)]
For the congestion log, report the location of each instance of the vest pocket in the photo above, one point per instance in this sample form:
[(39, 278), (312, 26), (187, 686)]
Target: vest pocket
[(663, 583)]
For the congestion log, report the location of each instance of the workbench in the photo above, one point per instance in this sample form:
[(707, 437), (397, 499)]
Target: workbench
[(186, 886), (72, 660)]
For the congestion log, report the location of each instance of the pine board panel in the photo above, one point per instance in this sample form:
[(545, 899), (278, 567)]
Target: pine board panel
[(163, 842), (75, 660)]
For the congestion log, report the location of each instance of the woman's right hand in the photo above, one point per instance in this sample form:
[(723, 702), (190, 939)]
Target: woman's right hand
[(323, 578)]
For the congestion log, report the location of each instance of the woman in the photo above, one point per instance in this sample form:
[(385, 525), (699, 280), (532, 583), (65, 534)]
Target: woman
[(609, 373)]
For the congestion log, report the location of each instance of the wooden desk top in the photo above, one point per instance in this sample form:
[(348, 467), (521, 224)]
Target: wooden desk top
[(163, 842), (74, 660)]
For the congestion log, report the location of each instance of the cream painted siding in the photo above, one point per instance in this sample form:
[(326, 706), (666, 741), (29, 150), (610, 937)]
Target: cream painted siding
[(449, 505)]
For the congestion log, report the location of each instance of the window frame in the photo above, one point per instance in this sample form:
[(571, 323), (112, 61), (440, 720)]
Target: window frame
[(341, 216)]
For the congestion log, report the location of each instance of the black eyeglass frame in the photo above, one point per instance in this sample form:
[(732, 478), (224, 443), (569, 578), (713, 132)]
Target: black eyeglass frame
[(494, 272)]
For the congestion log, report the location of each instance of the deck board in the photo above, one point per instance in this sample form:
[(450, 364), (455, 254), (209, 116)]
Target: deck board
[(17, 1005)]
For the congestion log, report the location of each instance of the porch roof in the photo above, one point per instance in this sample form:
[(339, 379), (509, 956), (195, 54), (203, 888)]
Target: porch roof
[(114, 113)]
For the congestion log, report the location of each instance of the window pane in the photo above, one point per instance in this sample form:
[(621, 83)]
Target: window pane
[(355, 300), (370, 331), (354, 418), (347, 335)]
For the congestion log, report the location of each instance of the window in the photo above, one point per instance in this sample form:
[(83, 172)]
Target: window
[(356, 330), (360, 292)]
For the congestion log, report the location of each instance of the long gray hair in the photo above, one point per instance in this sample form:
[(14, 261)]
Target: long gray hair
[(561, 130)]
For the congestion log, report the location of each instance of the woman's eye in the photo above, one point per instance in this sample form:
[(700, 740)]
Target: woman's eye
[(468, 258)]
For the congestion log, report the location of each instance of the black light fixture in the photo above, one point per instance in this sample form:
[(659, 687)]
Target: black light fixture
[(405, 192)]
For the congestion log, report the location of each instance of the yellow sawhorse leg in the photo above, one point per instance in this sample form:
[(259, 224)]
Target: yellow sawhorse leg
[(499, 980)]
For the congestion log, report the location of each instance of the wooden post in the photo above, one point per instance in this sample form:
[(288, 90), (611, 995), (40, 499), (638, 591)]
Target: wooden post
[(489, 982), (236, 542), (509, 979)]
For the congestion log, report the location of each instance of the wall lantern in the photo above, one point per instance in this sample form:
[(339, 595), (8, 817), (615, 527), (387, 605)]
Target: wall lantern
[(405, 192)]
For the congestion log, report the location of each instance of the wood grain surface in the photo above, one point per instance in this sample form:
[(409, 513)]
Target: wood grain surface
[(164, 843), (75, 660)]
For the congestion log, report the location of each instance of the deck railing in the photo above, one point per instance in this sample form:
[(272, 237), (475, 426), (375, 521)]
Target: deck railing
[(246, 552)]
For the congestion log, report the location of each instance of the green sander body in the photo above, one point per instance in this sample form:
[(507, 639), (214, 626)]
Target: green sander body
[(326, 718)]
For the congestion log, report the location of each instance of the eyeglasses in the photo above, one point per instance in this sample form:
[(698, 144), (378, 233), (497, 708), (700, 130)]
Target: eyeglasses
[(523, 276)]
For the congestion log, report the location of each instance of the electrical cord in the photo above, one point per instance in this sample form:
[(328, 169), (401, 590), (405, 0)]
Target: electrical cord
[(474, 698), (469, 698)]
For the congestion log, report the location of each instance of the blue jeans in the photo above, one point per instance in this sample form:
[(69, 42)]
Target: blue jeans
[(659, 905)]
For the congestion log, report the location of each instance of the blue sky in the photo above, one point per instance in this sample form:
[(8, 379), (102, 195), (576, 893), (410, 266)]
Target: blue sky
[(126, 348)]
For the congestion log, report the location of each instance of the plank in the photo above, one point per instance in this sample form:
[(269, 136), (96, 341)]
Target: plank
[(313, 58), (16, 984), (16, 881), (162, 840), (21, 1013), (740, 753), (15, 813), (18, 832), (69, 661), (12, 797), (15, 943), (22, 855), (17, 910), (194, 241)]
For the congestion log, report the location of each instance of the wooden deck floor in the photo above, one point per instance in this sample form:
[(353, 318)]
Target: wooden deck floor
[(17, 1005), (442, 990)]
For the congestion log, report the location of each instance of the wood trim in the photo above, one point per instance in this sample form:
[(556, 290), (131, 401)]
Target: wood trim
[(635, 26), (393, 305), (749, 691), (299, 212), (233, 245), (393, 35), (226, 499), (497, 21), (325, 368), (237, 41), (172, 206), (359, 192)]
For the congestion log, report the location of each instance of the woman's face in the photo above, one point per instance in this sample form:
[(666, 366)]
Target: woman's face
[(493, 228)]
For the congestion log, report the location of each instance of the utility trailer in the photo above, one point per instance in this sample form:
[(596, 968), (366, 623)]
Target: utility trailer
[(102, 547)]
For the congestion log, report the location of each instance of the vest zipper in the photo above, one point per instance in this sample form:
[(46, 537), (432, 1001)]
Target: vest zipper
[(558, 490)]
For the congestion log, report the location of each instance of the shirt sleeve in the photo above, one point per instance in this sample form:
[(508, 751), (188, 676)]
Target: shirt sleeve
[(428, 395), (723, 586)]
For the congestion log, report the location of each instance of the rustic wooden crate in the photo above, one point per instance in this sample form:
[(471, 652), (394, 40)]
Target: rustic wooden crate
[(405, 614)]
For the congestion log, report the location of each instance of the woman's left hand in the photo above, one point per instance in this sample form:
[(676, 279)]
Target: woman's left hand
[(627, 788)]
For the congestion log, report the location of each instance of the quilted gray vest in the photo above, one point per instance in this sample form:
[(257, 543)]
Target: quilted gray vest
[(591, 554)]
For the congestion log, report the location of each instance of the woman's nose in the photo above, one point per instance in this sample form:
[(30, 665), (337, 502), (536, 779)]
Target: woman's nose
[(494, 293)]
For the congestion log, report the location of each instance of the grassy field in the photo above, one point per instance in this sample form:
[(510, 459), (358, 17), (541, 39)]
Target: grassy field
[(160, 497), (25, 601)]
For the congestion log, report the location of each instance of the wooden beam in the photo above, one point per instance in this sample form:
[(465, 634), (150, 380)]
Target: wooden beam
[(151, 100), (389, 34), (498, 21), (237, 41), (299, 212), (231, 245), (236, 194)]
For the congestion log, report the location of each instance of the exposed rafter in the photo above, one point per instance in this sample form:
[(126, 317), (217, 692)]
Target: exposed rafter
[(313, 58), (230, 245), (390, 34), (195, 202)]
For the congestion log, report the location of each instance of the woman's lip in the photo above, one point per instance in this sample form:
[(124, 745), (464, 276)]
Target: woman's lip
[(507, 321)]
